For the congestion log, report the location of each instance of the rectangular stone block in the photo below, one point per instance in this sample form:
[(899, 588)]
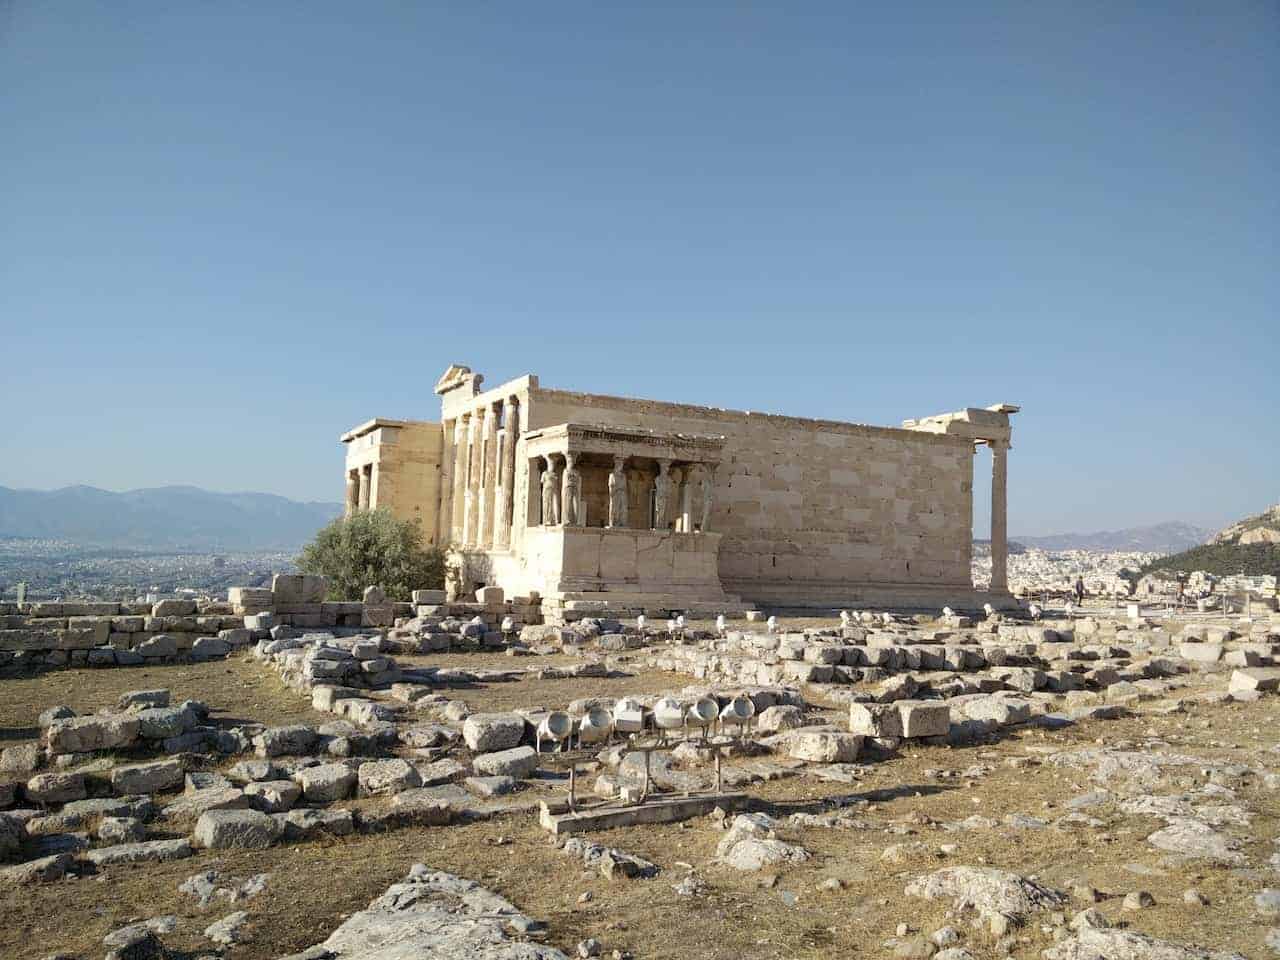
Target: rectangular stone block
[(245, 600), (924, 718), (90, 609), (1201, 652), (173, 608), (1255, 678), (875, 720), (298, 588), (825, 747)]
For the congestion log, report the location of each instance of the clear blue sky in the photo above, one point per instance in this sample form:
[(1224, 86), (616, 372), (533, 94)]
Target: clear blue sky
[(229, 231)]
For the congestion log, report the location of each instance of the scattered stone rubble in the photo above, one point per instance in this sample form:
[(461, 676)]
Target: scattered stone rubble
[(114, 787), (44, 635)]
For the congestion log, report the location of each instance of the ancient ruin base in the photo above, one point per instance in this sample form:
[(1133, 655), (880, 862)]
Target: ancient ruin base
[(808, 599), (555, 816)]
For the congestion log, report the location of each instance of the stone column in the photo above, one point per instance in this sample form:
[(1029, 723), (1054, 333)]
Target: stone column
[(999, 516), (458, 499), (618, 493), (533, 494), (571, 492), (522, 491), (362, 501), (472, 480), (507, 476), (662, 495), (708, 492), (444, 523), (353, 493), (686, 500), (488, 475)]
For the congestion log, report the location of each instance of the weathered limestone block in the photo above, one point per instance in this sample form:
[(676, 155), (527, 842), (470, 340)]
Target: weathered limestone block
[(155, 777), (381, 777), (924, 718), (143, 699), (158, 647), (326, 783), (116, 830), (200, 802), (236, 829), (1201, 652), (46, 788), (98, 732), (878, 720), (293, 740), (148, 851), (1255, 678), (518, 762), (303, 824), (173, 608), (209, 648), (377, 615), (98, 628), (802, 671), (819, 746), (272, 796), (161, 723), (43, 870), (792, 647), (326, 697), (777, 718), (298, 588), (1002, 711), (487, 732)]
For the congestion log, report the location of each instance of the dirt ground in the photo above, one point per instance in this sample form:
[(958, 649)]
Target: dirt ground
[(787, 913)]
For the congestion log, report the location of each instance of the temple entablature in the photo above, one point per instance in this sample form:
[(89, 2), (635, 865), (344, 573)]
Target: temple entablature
[(980, 424)]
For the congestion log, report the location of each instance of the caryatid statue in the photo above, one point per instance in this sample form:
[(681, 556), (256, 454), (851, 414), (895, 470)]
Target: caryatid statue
[(571, 500), (618, 494), (550, 495), (708, 488), (661, 495)]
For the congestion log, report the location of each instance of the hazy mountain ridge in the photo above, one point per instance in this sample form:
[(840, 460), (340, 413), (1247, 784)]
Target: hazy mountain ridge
[(1170, 537), (174, 517)]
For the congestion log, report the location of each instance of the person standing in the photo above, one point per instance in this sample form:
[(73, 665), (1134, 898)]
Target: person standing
[(1079, 591)]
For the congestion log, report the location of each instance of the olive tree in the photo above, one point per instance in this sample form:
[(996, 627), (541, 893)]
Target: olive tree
[(373, 548)]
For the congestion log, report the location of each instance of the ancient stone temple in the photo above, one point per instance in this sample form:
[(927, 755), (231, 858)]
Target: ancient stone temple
[(587, 500)]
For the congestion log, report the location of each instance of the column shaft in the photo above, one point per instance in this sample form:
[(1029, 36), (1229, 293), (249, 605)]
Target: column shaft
[(686, 500), (474, 423), (444, 522), (362, 502), (353, 493), (488, 472), (999, 516), (506, 484), (458, 504)]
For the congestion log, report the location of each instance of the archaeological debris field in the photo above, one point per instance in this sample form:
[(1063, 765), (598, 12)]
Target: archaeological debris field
[(397, 784)]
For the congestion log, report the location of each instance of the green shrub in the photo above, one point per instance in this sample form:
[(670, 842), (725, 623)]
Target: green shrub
[(373, 548)]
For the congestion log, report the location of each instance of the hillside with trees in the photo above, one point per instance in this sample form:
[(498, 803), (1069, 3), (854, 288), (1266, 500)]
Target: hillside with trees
[(1250, 547)]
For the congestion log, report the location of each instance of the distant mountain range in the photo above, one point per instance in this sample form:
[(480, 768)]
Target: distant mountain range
[(163, 518), (1169, 537)]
